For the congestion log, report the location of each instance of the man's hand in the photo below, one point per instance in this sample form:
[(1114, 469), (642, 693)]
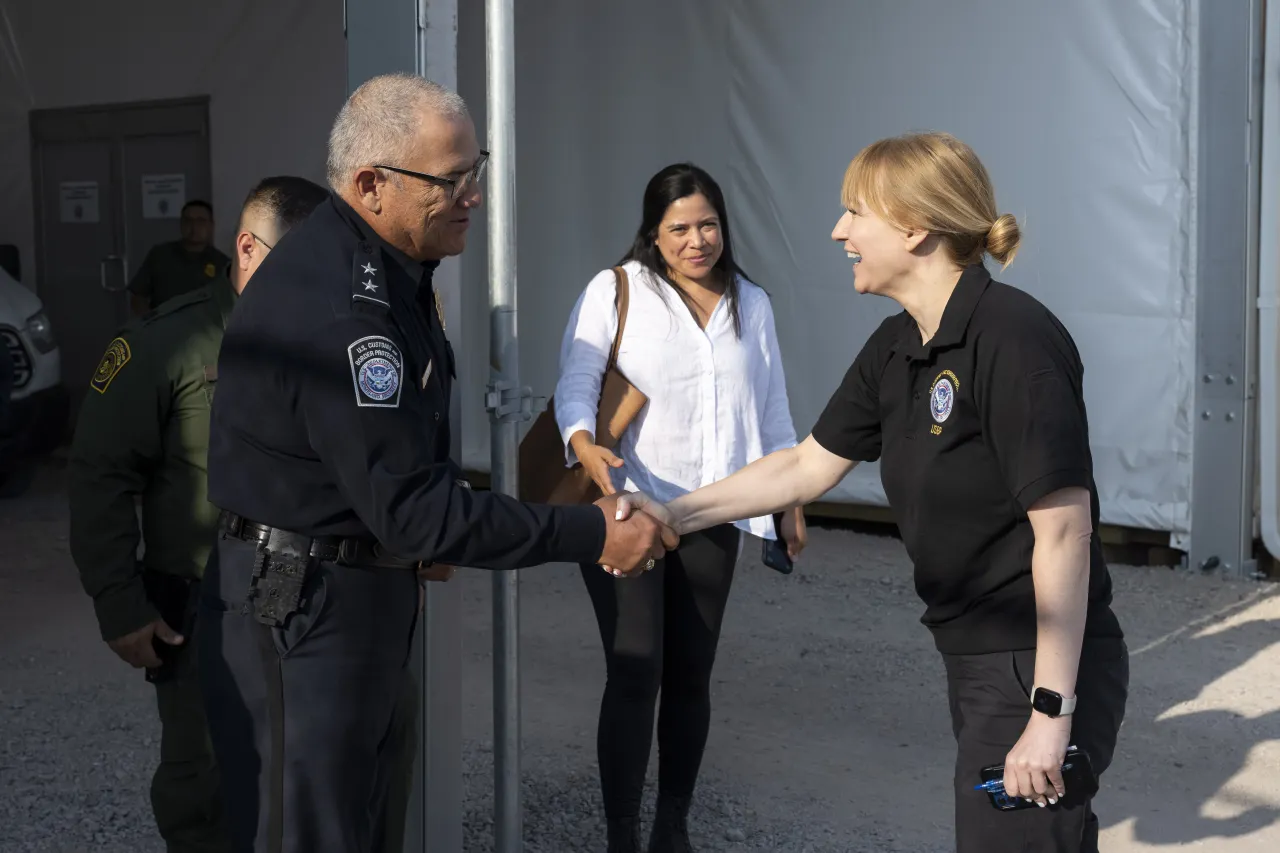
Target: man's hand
[(632, 544), (435, 572), (598, 461), (135, 649)]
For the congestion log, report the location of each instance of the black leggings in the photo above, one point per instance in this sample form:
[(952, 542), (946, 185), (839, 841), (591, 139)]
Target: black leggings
[(660, 630)]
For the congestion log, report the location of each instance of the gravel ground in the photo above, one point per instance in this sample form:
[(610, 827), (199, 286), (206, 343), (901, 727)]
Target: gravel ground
[(829, 724)]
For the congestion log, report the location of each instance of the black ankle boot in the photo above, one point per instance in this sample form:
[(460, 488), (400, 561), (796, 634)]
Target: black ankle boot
[(624, 835), (670, 826)]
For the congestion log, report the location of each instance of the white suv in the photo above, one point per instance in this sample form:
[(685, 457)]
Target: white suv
[(37, 410)]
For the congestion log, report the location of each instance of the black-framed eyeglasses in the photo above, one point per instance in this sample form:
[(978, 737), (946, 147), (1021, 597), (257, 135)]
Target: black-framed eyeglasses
[(260, 240), (458, 186)]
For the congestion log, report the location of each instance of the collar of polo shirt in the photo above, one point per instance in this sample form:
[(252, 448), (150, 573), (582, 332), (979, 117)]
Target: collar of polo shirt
[(955, 317)]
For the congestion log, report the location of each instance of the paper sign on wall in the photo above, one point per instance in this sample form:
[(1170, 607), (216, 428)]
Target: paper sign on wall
[(78, 201), (163, 196)]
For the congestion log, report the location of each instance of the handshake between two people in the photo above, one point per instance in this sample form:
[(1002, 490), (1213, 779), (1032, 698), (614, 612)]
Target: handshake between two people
[(635, 540)]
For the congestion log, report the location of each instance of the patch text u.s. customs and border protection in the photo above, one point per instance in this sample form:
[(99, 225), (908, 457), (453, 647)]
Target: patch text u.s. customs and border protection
[(113, 361), (376, 369)]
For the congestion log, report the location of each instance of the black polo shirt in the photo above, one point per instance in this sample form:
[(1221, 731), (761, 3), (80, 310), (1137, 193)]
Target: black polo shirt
[(972, 429)]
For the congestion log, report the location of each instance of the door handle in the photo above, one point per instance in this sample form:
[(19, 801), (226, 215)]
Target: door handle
[(113, 273)]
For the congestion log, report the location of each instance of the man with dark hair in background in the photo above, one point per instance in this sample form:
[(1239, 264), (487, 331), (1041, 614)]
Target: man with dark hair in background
[(172, 269), (143, 433)]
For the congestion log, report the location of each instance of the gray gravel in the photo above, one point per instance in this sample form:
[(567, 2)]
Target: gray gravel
[(562, 813), (75, 764), (75, 760)]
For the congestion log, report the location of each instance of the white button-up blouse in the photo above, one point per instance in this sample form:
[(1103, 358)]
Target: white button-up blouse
[(716, 402)]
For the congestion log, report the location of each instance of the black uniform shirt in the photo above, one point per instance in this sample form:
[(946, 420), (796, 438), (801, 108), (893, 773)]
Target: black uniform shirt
[(332, 411), (972, 429)]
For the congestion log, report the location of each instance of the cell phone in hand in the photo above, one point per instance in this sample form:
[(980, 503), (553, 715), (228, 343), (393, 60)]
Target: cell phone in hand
[(1077, 777), (774, 554)]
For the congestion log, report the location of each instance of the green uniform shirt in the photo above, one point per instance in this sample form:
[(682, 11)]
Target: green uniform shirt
[(143, 431), (170, 270)]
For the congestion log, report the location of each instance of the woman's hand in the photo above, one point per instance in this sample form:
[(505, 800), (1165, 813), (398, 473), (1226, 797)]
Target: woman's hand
[(596, 460), (1033, 768), (631, 502), (794, 531)]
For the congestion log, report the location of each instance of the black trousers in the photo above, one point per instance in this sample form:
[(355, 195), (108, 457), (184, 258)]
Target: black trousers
[(660, 631), (300, 716), (990, 707)]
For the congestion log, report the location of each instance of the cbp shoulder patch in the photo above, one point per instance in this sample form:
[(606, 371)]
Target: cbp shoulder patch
[(376, 367), (113, 361)]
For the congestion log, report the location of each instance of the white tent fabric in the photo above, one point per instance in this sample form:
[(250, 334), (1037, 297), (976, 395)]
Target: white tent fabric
[(1082, 111)]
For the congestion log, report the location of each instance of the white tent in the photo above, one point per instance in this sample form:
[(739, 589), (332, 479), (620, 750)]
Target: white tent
[(1088, 114)]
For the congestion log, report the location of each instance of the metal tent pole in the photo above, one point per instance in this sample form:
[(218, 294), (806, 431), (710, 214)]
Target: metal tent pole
[(506, 402)]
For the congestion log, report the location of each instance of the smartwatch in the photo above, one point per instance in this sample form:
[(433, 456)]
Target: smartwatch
[(1051, 704)]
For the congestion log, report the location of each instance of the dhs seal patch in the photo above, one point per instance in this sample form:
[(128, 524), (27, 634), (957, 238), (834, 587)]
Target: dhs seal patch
[(942, 396), (376, 367)]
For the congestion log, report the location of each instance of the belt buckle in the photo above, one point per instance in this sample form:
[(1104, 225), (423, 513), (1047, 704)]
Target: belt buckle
[(234, 524)]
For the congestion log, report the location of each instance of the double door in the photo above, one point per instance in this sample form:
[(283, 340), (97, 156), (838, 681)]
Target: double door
[(109, 183)]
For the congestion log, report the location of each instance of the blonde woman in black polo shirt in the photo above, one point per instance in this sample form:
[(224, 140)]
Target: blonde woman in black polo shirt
[(972, 400)]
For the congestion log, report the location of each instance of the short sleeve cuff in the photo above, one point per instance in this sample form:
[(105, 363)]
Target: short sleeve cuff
[(866, 449), (578, 534), (1042, 487)]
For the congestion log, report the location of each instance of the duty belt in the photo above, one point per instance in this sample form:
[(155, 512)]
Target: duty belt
[(284, 559), (348, 551)]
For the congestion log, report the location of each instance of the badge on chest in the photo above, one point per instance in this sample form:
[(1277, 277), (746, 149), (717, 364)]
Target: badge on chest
[(942, 399)]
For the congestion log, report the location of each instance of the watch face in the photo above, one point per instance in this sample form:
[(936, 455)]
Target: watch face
[(1047, 702)]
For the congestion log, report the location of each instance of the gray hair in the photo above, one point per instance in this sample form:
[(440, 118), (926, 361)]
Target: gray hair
[(379, 121)]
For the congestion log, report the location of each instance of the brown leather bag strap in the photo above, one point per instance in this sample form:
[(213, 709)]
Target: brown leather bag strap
[(622, 298)]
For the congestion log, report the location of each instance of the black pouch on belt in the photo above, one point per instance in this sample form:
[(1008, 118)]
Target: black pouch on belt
[(279, 571)]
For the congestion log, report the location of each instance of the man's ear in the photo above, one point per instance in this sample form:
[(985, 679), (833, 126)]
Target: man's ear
[(368, 185), (244, 249)]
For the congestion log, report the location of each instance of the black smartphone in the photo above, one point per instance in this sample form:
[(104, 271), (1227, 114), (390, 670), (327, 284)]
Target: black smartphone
[(775, 554), (1077, 776)]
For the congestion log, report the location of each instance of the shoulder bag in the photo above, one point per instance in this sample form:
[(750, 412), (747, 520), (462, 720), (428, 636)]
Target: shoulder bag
[(544, 478)]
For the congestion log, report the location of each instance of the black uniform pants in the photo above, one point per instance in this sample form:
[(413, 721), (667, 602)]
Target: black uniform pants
[(990, 707), (301, 715), (660, 631)]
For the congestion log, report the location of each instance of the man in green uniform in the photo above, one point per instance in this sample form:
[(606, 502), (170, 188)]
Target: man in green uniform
[(171, 269), (143, 433)]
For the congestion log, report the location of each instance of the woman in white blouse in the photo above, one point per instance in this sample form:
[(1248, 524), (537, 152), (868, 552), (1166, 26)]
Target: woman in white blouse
[(699, 341)]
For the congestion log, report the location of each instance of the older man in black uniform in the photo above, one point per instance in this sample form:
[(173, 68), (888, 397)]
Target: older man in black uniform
[(329, 458)]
